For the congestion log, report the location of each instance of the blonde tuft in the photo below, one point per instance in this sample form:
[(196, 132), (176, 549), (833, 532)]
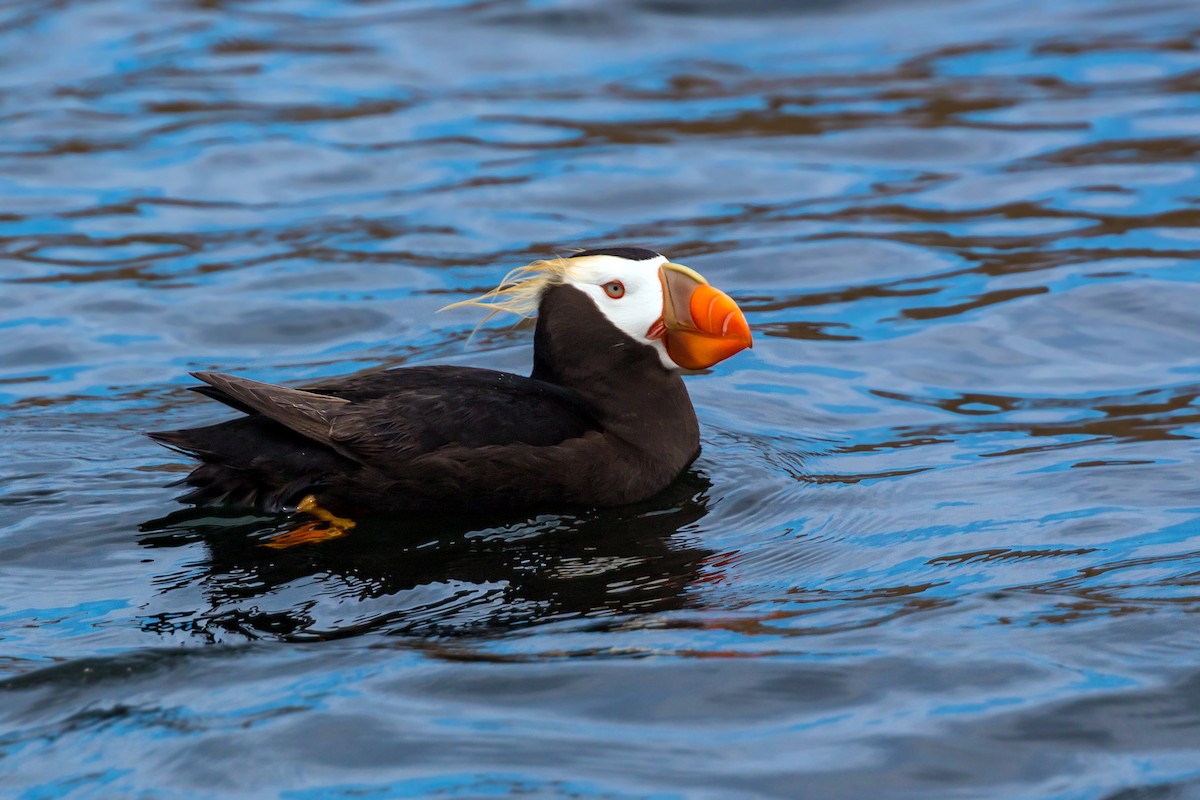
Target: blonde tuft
[(521, 289)]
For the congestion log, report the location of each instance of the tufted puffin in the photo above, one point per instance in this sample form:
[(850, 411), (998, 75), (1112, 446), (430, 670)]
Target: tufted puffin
[(602, 420)]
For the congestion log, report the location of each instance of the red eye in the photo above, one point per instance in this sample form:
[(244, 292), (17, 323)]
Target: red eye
[(614, 289)]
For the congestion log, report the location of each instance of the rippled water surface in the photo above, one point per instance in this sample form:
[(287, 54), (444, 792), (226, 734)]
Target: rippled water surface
[(944, 537)]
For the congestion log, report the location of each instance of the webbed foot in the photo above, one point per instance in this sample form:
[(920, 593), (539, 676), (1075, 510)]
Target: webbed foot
[(330, 526)]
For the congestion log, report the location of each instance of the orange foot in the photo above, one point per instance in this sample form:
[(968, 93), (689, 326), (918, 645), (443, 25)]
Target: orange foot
[(330, 527)]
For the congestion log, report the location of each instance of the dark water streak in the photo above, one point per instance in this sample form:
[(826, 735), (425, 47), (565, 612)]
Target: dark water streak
[(942, 538)]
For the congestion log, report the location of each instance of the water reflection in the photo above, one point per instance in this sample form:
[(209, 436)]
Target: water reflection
[(433, 576)]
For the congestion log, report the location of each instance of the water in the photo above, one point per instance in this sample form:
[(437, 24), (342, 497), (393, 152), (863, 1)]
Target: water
[(944, 537)]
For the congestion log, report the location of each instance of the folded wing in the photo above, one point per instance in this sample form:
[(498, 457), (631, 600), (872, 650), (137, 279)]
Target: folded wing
[(290, 440)]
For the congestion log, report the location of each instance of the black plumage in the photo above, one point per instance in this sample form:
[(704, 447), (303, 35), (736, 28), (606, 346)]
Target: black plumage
[(630, 253), (599, 422)]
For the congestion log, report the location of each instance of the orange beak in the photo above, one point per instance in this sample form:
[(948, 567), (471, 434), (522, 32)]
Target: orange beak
[(700, 325)]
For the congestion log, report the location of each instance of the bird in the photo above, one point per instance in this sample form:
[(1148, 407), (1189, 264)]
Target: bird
[(603, 419)]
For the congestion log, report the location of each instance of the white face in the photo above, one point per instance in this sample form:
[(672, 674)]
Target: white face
[(628, 292)]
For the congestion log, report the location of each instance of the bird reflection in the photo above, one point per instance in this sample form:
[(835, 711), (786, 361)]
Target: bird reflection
[(447, 575)]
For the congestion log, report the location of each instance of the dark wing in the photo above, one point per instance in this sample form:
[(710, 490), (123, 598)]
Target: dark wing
[(307, 413), (401, 413), (396, 414)]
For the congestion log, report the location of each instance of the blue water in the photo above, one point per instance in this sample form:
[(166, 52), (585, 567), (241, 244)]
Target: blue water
[(944, 536)]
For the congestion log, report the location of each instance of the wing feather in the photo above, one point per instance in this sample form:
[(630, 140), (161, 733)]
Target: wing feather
[(307, 413), (416, 424)]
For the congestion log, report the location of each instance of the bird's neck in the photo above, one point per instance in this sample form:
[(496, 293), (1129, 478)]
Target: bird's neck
[(636, 397)]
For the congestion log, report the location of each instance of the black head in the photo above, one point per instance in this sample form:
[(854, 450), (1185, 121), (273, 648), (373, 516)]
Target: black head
[(630, 253)]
